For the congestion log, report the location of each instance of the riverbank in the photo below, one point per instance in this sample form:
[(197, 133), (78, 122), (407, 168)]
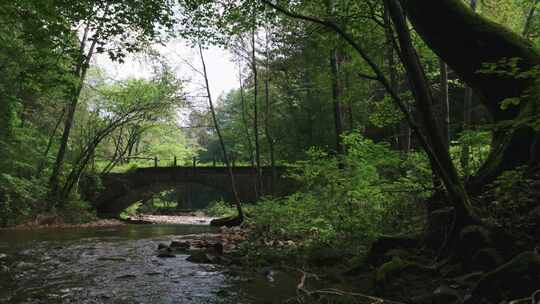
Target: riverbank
[(189, 218), (52, 223), (46, 222)]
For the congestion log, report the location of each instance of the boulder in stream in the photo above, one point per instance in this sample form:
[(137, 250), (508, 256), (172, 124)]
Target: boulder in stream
[(201, 256), (180, 245), (166, 252)]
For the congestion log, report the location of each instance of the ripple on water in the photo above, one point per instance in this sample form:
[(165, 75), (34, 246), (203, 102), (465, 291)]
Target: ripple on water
[(93, 266)]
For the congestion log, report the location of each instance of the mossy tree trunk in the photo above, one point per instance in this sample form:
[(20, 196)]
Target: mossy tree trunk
[(470, 42)]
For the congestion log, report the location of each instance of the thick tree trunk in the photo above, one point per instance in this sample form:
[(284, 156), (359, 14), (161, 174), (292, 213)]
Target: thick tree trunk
[(465, 46)]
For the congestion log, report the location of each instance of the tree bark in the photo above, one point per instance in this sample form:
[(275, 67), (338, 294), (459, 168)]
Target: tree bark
[(43, 160), (336, 100), (267, 131), (221, 142), (441, 161), (530, 15), (444, 104), (404, 130), (245, 118), (466, 46), (80, 74), (337, 90), (466, 147), (255, 111), (467, 105)]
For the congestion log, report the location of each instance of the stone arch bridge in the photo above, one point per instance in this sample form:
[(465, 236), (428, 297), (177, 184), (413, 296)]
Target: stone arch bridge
[(120, 190)]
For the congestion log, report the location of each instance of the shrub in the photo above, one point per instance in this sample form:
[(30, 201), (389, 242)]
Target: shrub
[(348, 207)]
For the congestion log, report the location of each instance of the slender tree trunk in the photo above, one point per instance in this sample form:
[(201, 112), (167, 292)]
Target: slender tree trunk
[(268, 133), (221, 142), (57, 168), (256, 111), (245, 118), (404, 136), (442, 163), (350, 108), (43, 160), (80, 73), (466, 147), (530, 15), (467, 105), (337, 90), (444, 104), (336, 99)]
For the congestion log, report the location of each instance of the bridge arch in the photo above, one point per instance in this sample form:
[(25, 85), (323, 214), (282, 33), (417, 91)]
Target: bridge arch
[(123, 189)]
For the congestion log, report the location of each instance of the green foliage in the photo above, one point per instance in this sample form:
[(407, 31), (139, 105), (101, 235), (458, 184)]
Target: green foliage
[(77, 211), (345, 206), (220, 209), (385, 113), (512, 196), (476, 144), (130, 211), (20, 199)]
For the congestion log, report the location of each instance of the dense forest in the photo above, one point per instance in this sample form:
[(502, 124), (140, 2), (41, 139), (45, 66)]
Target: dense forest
[(395, 142)]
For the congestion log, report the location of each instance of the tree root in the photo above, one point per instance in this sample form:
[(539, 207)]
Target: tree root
[(303, 292), (533, 299)]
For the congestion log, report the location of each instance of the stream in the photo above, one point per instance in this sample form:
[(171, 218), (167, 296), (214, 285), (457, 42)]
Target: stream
[(119, 265)]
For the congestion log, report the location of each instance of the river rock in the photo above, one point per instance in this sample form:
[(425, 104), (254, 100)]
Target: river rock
[(126, 276), (166, 253), (227, 221), (162, 246), (3, 256), (201, 257), (24, 265), (180, 245), (216, 248)]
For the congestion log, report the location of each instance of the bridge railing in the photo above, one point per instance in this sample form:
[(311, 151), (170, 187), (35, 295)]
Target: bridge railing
[(175, 161)]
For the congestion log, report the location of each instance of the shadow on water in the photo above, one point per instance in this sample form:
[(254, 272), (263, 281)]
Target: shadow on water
[(119, 265)]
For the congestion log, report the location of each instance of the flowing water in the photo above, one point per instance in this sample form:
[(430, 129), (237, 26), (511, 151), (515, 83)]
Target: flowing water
[(119, 265)]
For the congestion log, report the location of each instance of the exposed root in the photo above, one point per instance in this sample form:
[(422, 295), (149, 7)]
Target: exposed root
[(305, 295), (533, 299)]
